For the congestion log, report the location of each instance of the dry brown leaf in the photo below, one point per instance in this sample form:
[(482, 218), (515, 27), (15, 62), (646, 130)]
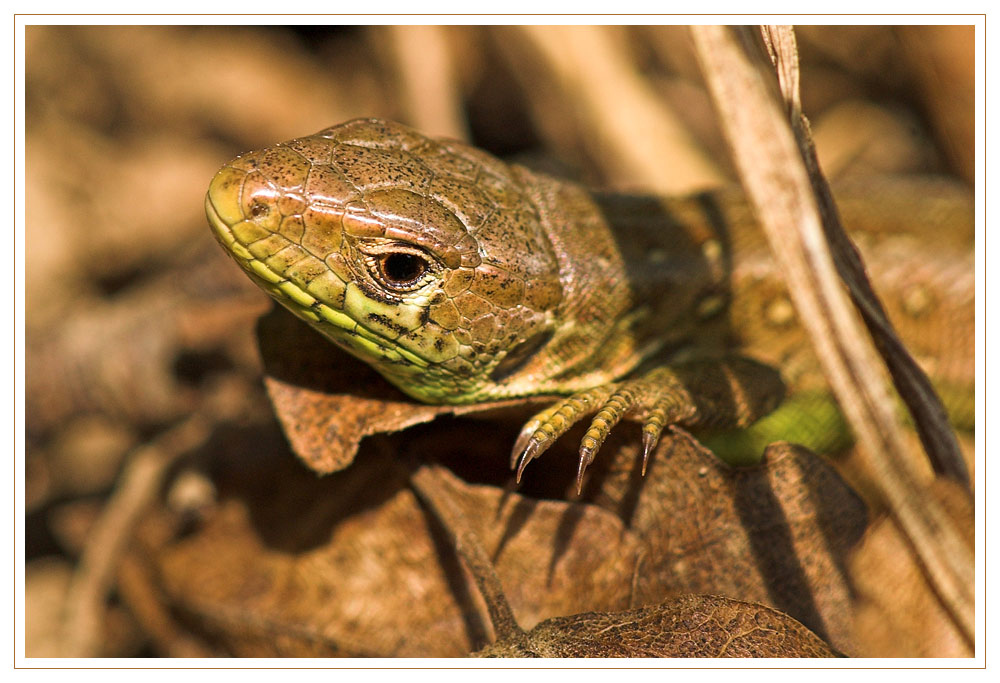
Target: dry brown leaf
[(778, 533), (327, 401), (351, 565), (310, 560), (689, 626)]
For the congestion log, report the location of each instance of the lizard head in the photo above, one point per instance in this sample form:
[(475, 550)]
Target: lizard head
[(423, 257)]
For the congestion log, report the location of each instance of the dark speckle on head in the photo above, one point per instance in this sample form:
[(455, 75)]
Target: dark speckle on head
[(387, 322)]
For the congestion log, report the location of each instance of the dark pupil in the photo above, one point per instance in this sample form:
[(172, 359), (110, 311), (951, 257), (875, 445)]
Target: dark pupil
[(402, 268)]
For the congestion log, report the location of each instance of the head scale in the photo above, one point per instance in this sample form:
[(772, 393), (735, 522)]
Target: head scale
[(423, 257)]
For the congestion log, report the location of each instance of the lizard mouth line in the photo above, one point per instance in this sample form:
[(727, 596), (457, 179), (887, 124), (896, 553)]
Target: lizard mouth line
[(304, 303)]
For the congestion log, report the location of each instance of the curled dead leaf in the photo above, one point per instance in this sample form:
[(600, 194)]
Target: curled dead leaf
[(327, 401)]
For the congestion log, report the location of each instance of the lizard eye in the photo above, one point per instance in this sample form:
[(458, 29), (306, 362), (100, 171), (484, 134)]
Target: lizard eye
[(400, 271)]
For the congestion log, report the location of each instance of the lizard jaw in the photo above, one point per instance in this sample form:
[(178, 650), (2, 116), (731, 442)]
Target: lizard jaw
[(348, 332)]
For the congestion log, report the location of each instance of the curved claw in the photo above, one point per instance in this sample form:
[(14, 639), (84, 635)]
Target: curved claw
[(588, 450), (586, 457), (651, 431), (649, 442), (547, 426), (686, 394), (521, 444), (530, 452)]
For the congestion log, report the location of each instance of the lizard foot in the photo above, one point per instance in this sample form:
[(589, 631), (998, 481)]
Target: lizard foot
[(733, 392)]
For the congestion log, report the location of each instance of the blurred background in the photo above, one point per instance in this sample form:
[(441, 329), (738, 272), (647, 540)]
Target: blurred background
[(136, 321)]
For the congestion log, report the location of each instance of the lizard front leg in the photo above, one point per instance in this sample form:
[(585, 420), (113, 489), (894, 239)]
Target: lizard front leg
[(725, 393)]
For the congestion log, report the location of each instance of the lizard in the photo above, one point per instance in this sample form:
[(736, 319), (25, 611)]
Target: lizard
[(461, 279)]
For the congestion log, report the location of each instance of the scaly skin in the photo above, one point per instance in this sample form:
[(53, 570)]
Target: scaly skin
[(464, 279)]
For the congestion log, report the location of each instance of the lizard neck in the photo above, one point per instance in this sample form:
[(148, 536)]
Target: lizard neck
[(640, 276), (590, 340)]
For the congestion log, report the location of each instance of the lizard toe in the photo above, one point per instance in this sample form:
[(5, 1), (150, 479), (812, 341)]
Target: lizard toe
[(541, 431), (610, 414), (652, 429)]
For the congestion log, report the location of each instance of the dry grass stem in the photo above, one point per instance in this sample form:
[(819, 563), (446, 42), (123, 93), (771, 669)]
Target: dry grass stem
[(778, 182), (912, 382)]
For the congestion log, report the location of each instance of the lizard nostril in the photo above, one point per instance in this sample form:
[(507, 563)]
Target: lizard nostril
[(258, 209)]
